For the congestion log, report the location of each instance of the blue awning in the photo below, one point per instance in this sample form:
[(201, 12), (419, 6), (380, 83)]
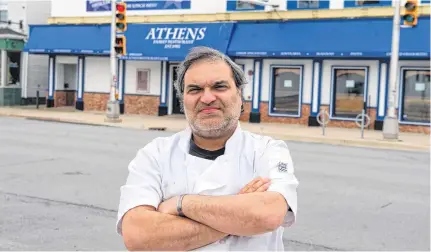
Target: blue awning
[(144, 41), (68, 39), (329, 38)]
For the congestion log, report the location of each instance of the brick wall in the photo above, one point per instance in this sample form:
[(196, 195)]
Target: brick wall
[(371, 112), (245, 117), (133, 104), (415, 129), (95, 101), (265, 117), (141, 104), (60, 98)]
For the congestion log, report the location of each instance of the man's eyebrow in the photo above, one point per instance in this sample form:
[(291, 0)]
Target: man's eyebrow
[(194, 85), (221, 82)]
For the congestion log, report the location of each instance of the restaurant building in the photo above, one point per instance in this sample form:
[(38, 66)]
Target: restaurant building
[(314, 57)]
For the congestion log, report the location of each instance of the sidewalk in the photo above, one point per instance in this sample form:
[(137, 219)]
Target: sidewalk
[(338, 136)]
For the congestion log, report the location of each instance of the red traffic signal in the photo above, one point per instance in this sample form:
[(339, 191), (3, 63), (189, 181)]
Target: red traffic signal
[(121, 7), (121, 21)]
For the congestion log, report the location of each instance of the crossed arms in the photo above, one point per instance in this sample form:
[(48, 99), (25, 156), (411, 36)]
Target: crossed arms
[(209, 219)]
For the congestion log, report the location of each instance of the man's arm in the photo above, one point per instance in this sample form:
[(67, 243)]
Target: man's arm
[(146, 229), (254, 213), (138, 222), (244, 214)]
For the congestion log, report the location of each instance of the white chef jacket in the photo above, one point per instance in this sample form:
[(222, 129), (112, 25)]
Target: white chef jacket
[(164, 169)]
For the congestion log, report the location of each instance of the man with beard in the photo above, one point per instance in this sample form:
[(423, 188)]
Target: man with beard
[(212, 186)]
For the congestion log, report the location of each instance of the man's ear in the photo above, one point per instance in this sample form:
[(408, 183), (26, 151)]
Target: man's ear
[(242, 102)]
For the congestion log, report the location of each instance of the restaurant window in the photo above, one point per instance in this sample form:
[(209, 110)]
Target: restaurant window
[(308, 4), (3, 16), (286, 90), (348, 91), (143, 80), (367, 3), (242, 5), (415, 100)]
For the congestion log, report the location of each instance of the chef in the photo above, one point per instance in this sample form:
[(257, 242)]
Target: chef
[(212, 186)]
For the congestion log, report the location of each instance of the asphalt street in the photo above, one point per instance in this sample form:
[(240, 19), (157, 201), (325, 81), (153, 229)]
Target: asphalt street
[(59, 190)]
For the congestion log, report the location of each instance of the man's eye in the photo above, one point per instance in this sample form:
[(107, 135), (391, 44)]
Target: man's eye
[(220, 86)]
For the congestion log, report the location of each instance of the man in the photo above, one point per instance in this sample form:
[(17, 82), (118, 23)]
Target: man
[(212, 186)]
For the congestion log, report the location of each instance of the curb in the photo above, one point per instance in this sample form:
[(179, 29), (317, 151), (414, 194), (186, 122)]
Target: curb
[(376, 144), (58, 120)]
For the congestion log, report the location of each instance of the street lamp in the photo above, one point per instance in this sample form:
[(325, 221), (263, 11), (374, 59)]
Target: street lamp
[(390, 123), (118, 45)]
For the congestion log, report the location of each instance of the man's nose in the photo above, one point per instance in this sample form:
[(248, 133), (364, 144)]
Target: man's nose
[(207, 96)]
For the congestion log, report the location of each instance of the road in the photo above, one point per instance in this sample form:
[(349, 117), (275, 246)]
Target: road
[(59, 190)]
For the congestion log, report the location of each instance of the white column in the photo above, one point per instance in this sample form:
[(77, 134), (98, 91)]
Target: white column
[(24, 75), (120, 79), (316, 93), (51, 77), (163, 83), (4, 68), (80, 87), (256, 85), (382, 91)]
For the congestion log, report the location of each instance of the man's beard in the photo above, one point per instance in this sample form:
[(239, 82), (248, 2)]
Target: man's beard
[(213, 130)]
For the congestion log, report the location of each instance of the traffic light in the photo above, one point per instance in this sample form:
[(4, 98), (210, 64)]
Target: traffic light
[(121, 22), (410, 16), (120, 45)]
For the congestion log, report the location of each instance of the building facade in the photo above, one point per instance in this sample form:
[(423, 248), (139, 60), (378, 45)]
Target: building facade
[(21, 75), (318, 55)]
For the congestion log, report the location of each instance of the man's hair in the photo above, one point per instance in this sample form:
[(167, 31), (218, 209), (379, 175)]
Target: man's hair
[(202, 53)]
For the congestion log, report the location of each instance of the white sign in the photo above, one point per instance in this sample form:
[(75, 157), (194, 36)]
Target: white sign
[(175, 37), (350, 83), (420, 87), (287, 83)]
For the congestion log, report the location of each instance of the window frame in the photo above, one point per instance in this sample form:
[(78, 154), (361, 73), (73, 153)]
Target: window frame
[(316, 1), (19, 75), (231, 5), (139, 91), (6, 15), (272, 90), (401, 95), (353, 4), (294, 5), (333, 95)]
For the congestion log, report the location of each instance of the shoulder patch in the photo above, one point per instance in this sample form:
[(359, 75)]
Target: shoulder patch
[(282, 167)]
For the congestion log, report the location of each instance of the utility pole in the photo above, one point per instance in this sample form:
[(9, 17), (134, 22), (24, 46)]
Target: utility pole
[(113, 107), (390, 123)]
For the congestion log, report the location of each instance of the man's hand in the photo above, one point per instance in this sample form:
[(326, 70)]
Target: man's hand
[(169, 206), (256, 185)]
